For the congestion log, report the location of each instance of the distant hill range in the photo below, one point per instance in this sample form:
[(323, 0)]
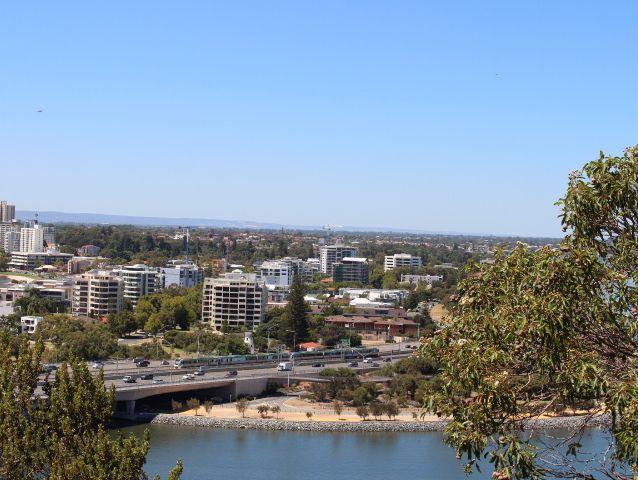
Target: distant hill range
[(104, 219)]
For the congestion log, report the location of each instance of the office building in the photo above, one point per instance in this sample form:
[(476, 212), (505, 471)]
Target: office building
[(331, 254), (401, 260), (48, 234), (139, 280), (351, 269), (97, 293), (31, 260), (234, 299)]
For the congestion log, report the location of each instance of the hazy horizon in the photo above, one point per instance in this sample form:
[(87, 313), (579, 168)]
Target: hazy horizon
[(464, 117)]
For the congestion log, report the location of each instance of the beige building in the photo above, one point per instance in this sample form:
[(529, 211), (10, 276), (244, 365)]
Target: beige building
[(97, 293), (236, 299)]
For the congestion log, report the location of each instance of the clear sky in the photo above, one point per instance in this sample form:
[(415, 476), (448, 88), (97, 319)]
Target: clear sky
[(444, 116)]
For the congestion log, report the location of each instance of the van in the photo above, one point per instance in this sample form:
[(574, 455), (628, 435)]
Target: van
[(283, 366)]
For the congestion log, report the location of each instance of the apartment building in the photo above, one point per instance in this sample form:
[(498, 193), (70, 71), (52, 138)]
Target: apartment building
[(97, 293), (399, 260), (9, 244), (139, 280), (420, 279), (331, 254), (32, 239), (236, 299), (275, 273), (351, 269), (29, 323), (48, 234), (179, 273)]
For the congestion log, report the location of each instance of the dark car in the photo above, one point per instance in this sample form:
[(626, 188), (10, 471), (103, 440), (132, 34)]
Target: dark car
[(48, 367), (231, 373), (317, 365), (353, 364), (143, 363), (146, 376), (387, 360)]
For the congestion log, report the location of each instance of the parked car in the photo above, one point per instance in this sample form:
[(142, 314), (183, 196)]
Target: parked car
[(353, 364), (157, 380), (98, 365), (231, 373), (142, 363), (164, 362), (188, 376), (146, 376), (128, 379)]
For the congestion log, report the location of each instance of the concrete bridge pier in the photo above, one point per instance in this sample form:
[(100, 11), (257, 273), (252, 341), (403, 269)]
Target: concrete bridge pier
[(130, 408)]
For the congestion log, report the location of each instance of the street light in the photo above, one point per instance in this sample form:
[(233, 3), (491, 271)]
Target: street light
[(294, 347)]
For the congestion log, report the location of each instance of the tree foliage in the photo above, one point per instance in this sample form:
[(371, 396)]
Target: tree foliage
[(540, 329), (62, 437)]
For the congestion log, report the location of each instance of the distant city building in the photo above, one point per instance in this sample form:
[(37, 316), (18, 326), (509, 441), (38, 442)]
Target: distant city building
[(275, 273), (32, 260), (304, 269), (48, 234), (420, 279), (32, 239), (234, 299), (89, 251), (399, 260), (331, 254), (139, 280), (79, 265), (7, 212), (219, 266), (97, 293), (180, 273), (375, 294), (11, 241), (29, 323), (351, 269)]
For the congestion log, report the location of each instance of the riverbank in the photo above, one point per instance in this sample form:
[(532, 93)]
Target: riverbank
[(345, 426)]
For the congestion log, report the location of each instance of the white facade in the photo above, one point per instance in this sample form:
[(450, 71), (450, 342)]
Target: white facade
[(421, 279), (11, 242), (139, 280), (275, 273), (331, 254), (32, 239), (180, 274), (234, 299), (375, 294), (399, 260), (29, 323)]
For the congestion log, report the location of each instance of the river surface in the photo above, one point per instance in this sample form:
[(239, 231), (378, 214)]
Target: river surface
[(263, 455)]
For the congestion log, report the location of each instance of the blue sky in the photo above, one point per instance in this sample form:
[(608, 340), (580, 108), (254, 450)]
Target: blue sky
[(447, 116)]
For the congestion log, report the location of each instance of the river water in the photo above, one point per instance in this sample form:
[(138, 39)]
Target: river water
[(263, 455)]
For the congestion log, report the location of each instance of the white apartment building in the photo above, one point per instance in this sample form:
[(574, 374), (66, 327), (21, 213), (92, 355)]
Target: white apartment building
[(275, 273), (5, 243), (11, 241), (331, 254), (7, 212), (421, 279), (399, 260), (139, 280), (180, 273), (236, 299), (29, 323), (97, 293), (32, 239)]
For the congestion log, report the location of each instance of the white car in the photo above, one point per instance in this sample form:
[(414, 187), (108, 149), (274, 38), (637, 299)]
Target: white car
[(188, 376), (367, 360), (99, 365)]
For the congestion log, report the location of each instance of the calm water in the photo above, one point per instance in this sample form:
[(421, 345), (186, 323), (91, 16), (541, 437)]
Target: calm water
[(258, 455)]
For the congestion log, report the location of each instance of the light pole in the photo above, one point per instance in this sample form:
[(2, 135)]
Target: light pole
[(294, 347)]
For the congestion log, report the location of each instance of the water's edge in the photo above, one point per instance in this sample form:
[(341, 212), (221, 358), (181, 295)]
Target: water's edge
[(368, 426)]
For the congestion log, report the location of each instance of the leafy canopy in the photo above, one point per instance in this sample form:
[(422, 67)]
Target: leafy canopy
[(538, 330)]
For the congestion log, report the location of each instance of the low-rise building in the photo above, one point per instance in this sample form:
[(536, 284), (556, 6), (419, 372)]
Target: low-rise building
[(401, 260), (420, 279), (376, 328), (29, 323), (351, 269), (31, 260), (89, 251)]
